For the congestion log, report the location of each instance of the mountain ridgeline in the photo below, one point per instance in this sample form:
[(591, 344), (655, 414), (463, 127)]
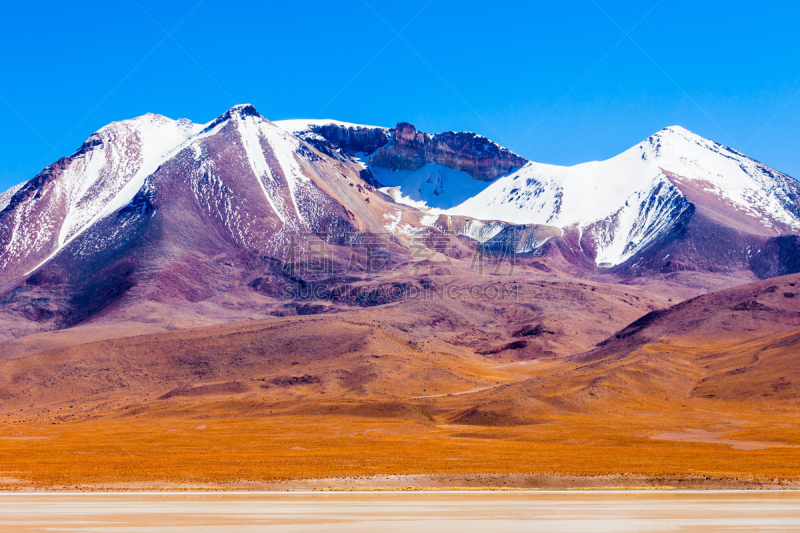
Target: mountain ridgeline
[(156, 217)]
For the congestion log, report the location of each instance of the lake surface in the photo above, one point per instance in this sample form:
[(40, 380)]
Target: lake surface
[(450, 512)]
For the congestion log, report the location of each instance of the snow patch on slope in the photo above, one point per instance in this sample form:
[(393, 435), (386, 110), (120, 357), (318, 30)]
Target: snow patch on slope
[(645, 216), (391, 220), (251, 138), (308, 203), (561, 196), (5, 197), (432, 185), (109, 175), (478, 230), (397, 195)]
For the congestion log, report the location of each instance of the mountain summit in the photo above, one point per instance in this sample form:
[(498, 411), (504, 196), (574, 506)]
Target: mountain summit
[(672, 183)]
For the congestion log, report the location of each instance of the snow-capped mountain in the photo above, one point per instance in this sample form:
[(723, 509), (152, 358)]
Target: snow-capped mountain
[(233, 166), (622, 205), (152, 211), (670, 191), (41, 216)]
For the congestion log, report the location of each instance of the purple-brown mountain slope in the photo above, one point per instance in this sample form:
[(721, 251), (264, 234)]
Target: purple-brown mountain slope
[(153, 210), (745, 312)]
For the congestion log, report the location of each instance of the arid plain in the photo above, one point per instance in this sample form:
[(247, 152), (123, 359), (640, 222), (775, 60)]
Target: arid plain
[(519, 391)]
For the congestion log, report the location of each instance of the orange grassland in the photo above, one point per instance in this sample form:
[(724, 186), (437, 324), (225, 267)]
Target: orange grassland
[(668, 413), (168, 447)]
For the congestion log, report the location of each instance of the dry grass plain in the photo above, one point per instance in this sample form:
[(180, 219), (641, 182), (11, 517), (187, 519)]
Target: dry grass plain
[(238, 438), (163, 449)]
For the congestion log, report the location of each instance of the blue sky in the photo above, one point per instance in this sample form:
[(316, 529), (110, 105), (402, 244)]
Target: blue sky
[(558, 82)]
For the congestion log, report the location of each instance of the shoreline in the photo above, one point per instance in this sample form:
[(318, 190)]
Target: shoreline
[(433, 483), (398, 490)]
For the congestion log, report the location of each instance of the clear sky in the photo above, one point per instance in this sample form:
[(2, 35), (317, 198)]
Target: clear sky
[(559, 82)]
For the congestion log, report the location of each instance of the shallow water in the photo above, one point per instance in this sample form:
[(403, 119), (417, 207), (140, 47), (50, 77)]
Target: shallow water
[(456, 512)]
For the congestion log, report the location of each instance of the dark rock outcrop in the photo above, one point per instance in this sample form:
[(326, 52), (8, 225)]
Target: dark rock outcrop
[(479, 157), (777, 256), (328, 138)]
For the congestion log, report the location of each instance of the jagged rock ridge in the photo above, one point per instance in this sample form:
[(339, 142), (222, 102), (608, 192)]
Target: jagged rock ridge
[(474, 154)]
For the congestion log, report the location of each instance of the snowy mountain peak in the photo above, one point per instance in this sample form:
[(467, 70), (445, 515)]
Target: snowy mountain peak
[(673, 141), (239, 111), (243, 110), (141, 121), (102, 176), (625, 203), (676, 130)]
